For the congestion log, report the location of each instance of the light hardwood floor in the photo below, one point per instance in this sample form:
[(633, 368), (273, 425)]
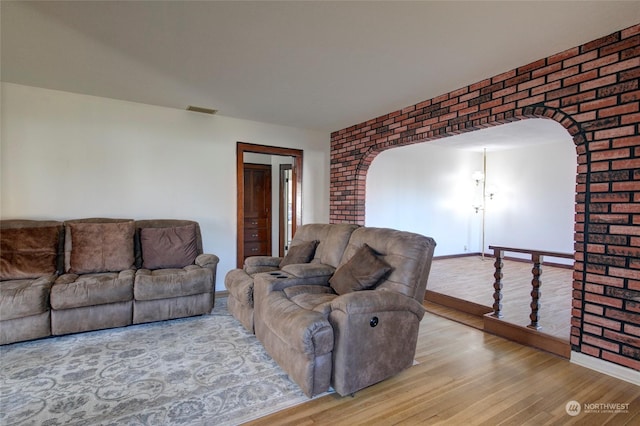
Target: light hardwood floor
[(471, 279), (468, 377)]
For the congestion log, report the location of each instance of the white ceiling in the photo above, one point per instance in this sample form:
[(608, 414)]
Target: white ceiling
[(316, 65)]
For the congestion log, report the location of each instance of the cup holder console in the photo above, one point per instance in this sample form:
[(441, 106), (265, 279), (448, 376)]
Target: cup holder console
[(278, 274)]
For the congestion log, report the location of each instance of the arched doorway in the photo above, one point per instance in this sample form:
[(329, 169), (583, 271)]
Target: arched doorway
[(529, 204)]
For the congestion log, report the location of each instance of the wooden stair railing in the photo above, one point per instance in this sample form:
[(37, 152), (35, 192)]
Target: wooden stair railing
[(537, 257)]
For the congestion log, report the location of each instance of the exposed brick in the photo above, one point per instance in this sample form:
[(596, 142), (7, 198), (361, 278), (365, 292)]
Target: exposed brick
[(593, 124), (611, 154), (622, 45), (616, 89), (601, 343), (599, 103), (615, 132), (632, 329), (597, 310), (632, 306), (599, 82), (578, 98), (530, 67), (590, 350), (632, 74), (626, 164), (549, 69), (603, 300), (592, 329), (601, 42), (621, 360), (619, 110), (592, 90), (620, 66), (623, 316), (531, 100), (633, 352), (558, 57)]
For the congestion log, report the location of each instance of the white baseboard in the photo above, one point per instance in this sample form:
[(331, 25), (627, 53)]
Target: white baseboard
[(623, 373)]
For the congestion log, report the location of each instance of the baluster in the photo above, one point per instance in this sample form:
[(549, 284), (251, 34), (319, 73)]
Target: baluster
[(497, 285), (535, 290)]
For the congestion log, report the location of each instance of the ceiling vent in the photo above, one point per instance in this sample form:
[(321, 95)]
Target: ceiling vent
[(202, 110)]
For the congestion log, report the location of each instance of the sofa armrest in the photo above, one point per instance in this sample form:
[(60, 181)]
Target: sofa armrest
[(256, 264), (207, 261), (262, 261), (310, 270), (376, 333), (373, 301)]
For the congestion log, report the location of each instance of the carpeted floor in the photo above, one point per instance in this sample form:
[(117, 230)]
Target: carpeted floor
[(204, 370)]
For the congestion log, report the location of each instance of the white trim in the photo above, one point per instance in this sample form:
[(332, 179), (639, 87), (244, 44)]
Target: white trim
[(623, 373)]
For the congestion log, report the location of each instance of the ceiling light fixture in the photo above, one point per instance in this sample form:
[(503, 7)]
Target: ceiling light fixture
[(202, 110)]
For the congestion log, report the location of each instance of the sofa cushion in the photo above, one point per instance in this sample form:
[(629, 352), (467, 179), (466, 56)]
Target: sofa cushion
[(23, 298), (300, 253), (28, 252), (166, 283), (361, 272), (333, 239), (74, 291), (312, 297), (101, 247), (172, 247)]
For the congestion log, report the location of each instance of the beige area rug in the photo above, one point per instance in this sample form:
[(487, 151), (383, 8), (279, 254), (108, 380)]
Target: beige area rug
[(205, 370)]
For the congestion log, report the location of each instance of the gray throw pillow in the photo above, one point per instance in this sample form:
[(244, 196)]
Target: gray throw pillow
[(362, 272), (300, 253)]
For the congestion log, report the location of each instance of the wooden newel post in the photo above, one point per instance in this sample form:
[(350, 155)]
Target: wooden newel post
[(536, 258), (497, 285)]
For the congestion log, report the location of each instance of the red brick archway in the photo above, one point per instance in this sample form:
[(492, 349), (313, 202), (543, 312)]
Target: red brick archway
[(593, 91)]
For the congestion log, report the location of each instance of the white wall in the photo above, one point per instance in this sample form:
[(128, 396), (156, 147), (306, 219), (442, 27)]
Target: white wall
[(427, 188), (67, 156), (534, 207)]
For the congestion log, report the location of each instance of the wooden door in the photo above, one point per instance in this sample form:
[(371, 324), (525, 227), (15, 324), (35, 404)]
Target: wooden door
[(257, 210)]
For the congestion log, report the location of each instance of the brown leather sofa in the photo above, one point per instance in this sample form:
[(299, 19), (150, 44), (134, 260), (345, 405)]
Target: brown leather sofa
[(100, 273), (351, 328)]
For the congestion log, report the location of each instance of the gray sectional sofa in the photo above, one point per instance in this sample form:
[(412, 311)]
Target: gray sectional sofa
[(344, 311), (87, 274)]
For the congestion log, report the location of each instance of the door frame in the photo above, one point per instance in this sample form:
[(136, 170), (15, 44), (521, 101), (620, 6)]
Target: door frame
[(282, 211), (241, 148)]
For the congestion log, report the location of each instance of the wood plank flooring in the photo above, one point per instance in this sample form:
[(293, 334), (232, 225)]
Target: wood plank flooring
[(468, 377), (471, 279)]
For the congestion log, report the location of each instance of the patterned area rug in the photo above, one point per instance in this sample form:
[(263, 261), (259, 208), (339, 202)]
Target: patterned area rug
[(193, 371)]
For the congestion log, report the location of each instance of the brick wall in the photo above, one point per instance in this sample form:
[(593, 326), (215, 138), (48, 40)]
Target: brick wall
[(592, 90)]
